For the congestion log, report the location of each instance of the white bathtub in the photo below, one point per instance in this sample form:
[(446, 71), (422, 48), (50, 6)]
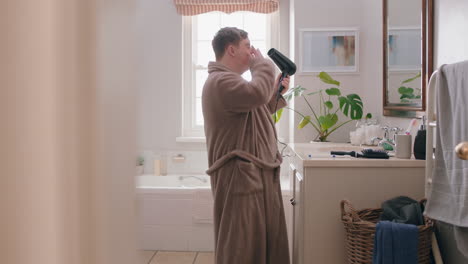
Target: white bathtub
[(175, 212), (183, 183), (173, 182)]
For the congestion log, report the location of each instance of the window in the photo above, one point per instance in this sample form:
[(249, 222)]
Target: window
[(198, 32)]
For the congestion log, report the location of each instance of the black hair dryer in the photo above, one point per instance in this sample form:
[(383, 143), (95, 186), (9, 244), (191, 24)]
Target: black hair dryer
[(286, 66)]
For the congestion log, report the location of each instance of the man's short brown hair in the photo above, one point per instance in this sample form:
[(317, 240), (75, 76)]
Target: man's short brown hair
[(225, 37)]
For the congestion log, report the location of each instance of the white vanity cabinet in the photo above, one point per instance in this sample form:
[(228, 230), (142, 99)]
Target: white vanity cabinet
[(320, 184)]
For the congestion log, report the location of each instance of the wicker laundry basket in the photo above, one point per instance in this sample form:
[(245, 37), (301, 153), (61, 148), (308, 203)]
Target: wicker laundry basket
[(360, 230)]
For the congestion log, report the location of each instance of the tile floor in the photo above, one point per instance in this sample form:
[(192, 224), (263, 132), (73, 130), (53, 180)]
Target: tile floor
[(175, 257)]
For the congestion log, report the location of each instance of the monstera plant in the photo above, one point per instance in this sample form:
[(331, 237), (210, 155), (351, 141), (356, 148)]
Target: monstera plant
[(406, 92), (323, 117)]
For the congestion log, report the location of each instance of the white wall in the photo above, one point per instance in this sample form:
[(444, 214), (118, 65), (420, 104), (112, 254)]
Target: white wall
[(365, 15), (159, 76), (160, 80), (159, 35), (451, 32)]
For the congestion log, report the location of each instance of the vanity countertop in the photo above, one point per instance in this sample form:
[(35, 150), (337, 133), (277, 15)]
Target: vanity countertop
[(320, 156)]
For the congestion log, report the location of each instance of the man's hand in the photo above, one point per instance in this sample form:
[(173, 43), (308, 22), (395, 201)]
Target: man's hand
[(255, 54), (285, 83)]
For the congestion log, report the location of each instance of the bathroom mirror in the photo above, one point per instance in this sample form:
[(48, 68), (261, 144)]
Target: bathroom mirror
[(407, 56)]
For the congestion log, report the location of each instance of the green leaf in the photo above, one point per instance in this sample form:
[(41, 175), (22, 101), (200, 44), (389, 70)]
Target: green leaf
[(276, 116), (333, 91), (298, 90), (288, 96), (312, 93), (294, 92), (304, 122), (368, 116), (409, 96), (412, 79), (352, 105), (405, 90), (324, 77), (328, 104), (328, 121)]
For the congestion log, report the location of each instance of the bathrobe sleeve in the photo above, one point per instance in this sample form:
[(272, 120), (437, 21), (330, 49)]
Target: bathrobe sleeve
[(272, 104), (239, 95)]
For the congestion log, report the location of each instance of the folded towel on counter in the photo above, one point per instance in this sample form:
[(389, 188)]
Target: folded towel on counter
[(395, 243)]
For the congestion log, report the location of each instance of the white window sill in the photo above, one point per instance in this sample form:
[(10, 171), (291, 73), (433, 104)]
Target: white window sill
[(191, 139)]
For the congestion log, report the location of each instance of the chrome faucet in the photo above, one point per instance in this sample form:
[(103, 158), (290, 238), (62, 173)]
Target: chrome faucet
[(193, 176), (374, 138), (386, 142)]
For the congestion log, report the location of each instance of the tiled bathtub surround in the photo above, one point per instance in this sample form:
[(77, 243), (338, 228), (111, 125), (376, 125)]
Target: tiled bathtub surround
[(182, 162)]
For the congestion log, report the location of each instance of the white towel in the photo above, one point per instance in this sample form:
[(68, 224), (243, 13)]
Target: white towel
[(448, 200)]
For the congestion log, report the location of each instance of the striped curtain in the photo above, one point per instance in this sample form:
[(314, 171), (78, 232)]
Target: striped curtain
[(196, 7)]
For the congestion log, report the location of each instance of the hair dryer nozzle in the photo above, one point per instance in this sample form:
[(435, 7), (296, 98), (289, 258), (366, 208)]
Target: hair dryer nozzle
[(284, 64)]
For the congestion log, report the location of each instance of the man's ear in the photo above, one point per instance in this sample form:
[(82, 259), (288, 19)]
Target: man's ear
[(230, 50)]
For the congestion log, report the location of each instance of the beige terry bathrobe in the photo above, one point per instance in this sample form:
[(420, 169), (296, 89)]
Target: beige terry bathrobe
[(249, 221)]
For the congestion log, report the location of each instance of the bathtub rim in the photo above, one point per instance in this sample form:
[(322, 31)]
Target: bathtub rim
[(285, 186)]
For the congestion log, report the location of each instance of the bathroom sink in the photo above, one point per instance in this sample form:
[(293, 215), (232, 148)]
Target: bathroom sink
[(322, 149), (345, 148)]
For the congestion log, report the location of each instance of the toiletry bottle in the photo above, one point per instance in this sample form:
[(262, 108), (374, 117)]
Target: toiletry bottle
[(419, 148), (157, 167)]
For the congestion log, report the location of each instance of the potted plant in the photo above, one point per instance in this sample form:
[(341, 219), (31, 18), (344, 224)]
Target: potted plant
[(325, 119), (139, 165)]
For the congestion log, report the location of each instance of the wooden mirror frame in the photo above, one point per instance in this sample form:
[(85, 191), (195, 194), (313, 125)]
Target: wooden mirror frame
[(427, 29)]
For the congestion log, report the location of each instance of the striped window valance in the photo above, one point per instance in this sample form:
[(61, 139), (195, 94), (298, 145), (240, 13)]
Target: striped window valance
[(195, 7)]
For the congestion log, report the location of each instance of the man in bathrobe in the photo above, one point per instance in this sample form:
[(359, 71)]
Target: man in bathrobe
[(249, 221)]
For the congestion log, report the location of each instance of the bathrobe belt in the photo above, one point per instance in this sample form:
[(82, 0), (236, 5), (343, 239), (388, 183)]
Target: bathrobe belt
[(247, 156)]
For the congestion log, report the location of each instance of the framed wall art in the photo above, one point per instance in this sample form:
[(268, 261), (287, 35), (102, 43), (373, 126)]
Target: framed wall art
[(329, 49)]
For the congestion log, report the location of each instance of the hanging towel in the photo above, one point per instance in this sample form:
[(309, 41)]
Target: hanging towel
[(448, 198), (395, 243)]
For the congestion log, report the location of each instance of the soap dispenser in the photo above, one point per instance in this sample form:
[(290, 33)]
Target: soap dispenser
[(419, 148)]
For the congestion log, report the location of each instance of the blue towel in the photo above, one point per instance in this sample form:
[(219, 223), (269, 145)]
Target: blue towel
[(395, 243)]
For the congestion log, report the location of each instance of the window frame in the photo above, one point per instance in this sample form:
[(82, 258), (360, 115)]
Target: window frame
[(190, 132)]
